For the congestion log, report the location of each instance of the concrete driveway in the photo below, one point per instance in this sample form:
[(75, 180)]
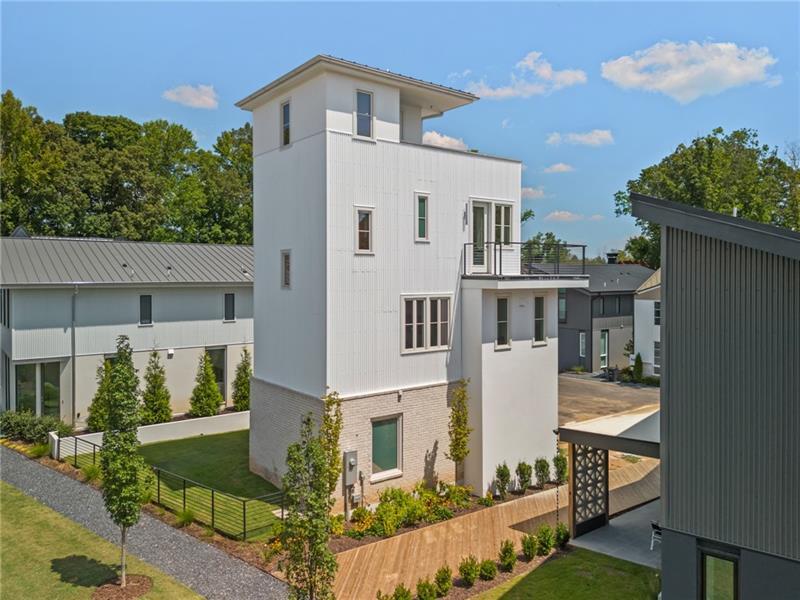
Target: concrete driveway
[(582, 397)]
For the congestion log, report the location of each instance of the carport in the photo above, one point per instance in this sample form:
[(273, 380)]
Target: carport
[(635, 432)]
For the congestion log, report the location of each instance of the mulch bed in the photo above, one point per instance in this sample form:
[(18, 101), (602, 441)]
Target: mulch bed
[(460, 591), (136, 586)]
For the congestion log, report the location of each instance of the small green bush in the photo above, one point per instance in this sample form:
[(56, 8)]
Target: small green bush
[(487, 570), (542, 468), (39, 450), (560, 467), (401, 592), (443, 580), (337, 525), (426, 590), (387, 519), (184, 517), (524, 475), (545, 540), (508, 555), (529, 545), (468, 570), (456, 496), (502, 478), (652, 380), (562, 535), (91, 473), (487, 500), (638, 368)]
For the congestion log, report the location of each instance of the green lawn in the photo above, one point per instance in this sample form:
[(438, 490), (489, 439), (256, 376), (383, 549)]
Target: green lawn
[(581, 575), (45, 555)]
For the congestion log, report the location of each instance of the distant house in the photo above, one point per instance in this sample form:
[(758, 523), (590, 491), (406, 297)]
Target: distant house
[(647, 318), (64, 301), (596, 323)]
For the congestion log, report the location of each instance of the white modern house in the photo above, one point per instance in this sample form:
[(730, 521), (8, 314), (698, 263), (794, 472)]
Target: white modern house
[(65, 301), (388, 270), (647, 329)]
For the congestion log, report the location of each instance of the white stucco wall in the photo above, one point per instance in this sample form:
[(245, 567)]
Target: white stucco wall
[(645, 332)]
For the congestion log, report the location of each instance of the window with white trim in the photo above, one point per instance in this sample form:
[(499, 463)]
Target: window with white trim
[(582, 344), (364, 230), (538, 320), (502, 223), (286, 269), (145, 309), (363, 114), (503, 339), (421, 218), (386, 445), (286, 133), (439, 323), (426, 323), (656, 313), (229, 307)]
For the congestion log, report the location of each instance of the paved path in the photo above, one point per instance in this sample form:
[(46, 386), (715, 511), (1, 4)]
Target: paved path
[(200, 566), (582, 397)]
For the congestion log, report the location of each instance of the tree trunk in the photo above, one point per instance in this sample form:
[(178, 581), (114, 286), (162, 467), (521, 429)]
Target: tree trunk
[(122, 559)]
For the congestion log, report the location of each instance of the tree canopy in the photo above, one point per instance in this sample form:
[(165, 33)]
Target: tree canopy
[(109, 176)]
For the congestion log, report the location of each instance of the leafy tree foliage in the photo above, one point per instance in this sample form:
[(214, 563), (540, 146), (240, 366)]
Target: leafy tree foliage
[(718, 172), (458, 428), (543, 247), (155, 398), (120, 461), (241, 383), (109, 176), (206, 397), (329, 432), (98, 409)]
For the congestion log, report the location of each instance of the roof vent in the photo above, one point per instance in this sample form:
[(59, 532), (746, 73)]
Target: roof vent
[(19, 232), (612, 257)]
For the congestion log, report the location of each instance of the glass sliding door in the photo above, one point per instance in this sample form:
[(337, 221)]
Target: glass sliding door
[(50, 390), (25, 386), (217, 356)]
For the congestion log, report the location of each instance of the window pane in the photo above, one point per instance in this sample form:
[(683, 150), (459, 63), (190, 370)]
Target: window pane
[(26, 387), (434, 341), (364, 125), (422, 217), (230, 308), (502, 309), (217, 356), (498, 224), (420, 320), (506, 224), (364, 226), (409, 324), (51, 389), (539, 330), (502, 334), (384, 445), (286, 114), (364, 103), (445, 320), (720, 578), (287, 138), (287, 269), (363, 240), (145, 310)]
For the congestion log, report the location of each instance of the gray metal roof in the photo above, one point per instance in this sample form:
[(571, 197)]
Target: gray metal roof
[(615, 279), (52, 261)]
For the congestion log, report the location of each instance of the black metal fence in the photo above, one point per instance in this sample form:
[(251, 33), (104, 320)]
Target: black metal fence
[(230, 515), (524, 258)]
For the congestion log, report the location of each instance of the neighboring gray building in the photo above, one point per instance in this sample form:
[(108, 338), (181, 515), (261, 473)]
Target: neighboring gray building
[(730, 404), (64, 301), (595, 323)]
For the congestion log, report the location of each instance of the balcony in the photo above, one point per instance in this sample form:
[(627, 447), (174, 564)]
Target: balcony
[(524, 260)]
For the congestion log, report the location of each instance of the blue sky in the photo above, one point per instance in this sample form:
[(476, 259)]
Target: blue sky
[(742, 72)]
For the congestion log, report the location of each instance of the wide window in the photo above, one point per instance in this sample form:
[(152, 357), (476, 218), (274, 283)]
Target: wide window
[(582, 344), (502, 323), (538, 320), (657, 358), (286, 131), (363, 230), (439, 322), (230, 307), (562, 305), (502, 224), (385, 445), (422, 218), (364, 114), (25, 387), (145, 310), (657, 313), (719, 577), (286, 269), (426, 323)]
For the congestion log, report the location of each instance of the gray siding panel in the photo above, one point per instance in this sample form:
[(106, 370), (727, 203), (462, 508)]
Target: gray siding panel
[(731, 393)]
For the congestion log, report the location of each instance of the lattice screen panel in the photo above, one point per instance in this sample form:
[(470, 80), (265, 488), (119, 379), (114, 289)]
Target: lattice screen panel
[(590, 477)]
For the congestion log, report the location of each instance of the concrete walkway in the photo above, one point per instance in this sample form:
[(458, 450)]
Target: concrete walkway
[(200, 566)]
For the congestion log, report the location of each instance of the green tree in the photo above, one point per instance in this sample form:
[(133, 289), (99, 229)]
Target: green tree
[(155, 398), (638, 368), (717, 172), (206, 397), (458, 427), (241, 383), (329, 433), (120, 461), (309, 565), (98, 409)]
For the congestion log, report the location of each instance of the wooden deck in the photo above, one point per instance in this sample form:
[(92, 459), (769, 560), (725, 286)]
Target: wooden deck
[(417, 554)]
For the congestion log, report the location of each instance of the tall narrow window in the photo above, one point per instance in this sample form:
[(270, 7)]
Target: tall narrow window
[(286, 269), (363, 114), (603, 348), (582, 344), (502, 224), (657, 313), (422, 218), (657, 358), (363, 230), (439, 322), (538, 320), (720, 577), (502, 322), (145, 309), (562, 305), (414, 323), (286, 130), (230, 307), (50, 391), (25, 387)]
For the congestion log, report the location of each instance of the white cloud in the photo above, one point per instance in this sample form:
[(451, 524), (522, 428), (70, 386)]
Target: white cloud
[(461, 75), (559, 168), (532, 76), (532, 193), (563, 216), (505, 123), (596, 218), (434, 138), (200, 96), (685, 72), (595, 137)]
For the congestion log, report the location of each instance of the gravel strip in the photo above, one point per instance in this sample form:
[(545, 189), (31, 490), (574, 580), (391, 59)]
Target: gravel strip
[(202, 567)]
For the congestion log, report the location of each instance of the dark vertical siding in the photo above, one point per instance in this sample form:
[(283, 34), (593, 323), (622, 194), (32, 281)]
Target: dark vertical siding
[(731, 393), (579, 317)]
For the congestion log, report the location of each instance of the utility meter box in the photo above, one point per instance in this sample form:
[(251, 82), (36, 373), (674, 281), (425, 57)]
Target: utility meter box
[(350, 466)]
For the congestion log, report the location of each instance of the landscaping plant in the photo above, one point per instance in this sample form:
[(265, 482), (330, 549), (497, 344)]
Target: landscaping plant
[(542, 468), (508, 555), (468, 570), (458, 428), (329, 432), (456, 496), (443, 581), (206, 398), (241, 383), (155, 397), (26, 427), (184, 517), (562, 535), (120, 460), (487, 570), (560, 467), (524, 475), (401, 592), (91, 473), (487, 500), (638, 368), (502, 479), (529, 546), (544, 538), (98, 409), (426, 590)]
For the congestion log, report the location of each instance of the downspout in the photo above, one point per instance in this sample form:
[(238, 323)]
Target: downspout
[(72, 352)]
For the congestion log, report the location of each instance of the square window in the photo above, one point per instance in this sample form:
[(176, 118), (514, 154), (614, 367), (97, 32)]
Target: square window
[(230, 307), (364, 114), (385, 445), (363, 230), (145, 309)]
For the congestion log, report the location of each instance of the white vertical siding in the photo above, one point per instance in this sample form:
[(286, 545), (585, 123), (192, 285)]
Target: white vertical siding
[(645, 332)]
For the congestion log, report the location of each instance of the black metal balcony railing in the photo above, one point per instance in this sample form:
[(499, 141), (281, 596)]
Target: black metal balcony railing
[(524, 259)]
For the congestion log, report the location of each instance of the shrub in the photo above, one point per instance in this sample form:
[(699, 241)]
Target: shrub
[(438, 513), (457, 496), (401, 592), (502, 478), (39, 450), (98, 409), (241, 383), (184, 517), (443, 580), (458, 427), (524, 474), (545, 540), (426, 590), (638, 368), (542, 468), (387, 519), (91, 473), (487, 500), (488, 570), (652, 380), (529, 545), (560, 467), (26, 427), (363, 521), (508, 555), (206, 399), (468, 570), (562, 535), (337, 525), (155, 397)]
